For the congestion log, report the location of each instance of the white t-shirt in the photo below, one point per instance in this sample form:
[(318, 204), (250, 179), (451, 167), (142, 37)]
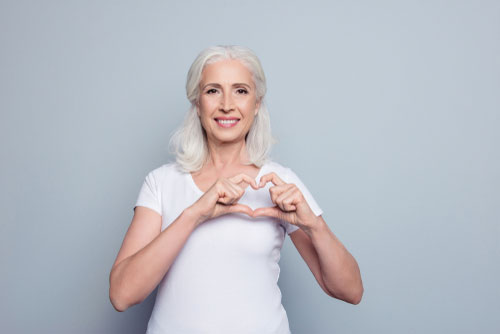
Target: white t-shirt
[(224, 279)]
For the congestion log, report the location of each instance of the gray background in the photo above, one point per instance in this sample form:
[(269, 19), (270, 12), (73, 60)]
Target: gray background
[(387, 110)]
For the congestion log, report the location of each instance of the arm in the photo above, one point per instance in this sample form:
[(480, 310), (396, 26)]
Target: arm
[(146, 255), (332, 265)]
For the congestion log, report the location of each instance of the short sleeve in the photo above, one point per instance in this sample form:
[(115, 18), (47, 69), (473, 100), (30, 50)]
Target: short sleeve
[(149, 195), (291, 177)]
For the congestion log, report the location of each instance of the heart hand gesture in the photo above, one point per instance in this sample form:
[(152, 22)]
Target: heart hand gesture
[(223, 196), (291, 205)]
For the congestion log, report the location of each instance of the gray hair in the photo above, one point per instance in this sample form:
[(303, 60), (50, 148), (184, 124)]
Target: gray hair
[(189, 142)]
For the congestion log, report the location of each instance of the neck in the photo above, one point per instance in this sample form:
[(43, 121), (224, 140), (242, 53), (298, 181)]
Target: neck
[(227, 154)]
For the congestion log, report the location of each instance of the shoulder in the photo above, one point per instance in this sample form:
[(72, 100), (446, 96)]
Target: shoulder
[(282, 171), (165, 171), (287, 174)]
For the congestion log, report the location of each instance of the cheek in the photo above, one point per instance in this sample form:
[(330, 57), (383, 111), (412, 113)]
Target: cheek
[(205, 106), (250, 106)]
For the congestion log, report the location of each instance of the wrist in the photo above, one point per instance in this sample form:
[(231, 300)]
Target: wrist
[(193, 215), (318, 227)]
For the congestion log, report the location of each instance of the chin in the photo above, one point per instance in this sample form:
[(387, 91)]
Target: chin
[(229, 139)]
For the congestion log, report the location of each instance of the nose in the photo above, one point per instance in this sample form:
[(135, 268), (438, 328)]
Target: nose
[(227, 103)]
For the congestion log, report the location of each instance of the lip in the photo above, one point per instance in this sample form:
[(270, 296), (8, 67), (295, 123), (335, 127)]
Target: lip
[(226, 118)]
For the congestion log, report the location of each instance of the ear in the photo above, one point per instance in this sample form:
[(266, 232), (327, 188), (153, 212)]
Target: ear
[(257, 106), (197, 105)]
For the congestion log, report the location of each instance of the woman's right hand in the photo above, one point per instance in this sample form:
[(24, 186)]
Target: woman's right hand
[(222, 198)]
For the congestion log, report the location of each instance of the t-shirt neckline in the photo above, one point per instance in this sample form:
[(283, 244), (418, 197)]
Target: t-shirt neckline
[(198, 190)]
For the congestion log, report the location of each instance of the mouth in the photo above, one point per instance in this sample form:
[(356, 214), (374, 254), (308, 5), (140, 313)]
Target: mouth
[(227, 122)]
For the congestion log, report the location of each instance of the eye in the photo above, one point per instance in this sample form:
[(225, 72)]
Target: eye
[(242, 91), (210, 90)]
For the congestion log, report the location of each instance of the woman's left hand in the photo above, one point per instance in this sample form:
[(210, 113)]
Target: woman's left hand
[(291, 205)]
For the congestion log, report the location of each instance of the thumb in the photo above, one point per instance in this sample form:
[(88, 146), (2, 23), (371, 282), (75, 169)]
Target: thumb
[(240, 208), (269, 212)]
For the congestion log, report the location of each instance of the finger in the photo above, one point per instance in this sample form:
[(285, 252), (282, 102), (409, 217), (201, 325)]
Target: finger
[(241, 208), (286, 201), (224, 199), (226, 196), (244, 178), (227, 192), (273, 177), (239, 192), (276, 191), (274, 212)]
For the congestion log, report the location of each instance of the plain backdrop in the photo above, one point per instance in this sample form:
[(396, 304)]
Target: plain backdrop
[(387, 110)]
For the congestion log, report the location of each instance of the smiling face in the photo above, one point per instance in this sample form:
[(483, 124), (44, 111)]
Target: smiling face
[(227, 105)]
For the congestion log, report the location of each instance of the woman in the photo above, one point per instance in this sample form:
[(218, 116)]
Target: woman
[(208, 228)]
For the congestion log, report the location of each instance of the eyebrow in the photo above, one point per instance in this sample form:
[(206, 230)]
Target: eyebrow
[(235, 84)]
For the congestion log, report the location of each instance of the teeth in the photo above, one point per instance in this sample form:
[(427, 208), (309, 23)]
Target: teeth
[(228, 121)]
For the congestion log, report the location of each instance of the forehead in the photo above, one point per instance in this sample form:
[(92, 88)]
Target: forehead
[(227, 70)]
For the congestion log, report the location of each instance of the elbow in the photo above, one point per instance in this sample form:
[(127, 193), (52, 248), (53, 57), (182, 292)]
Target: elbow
[(115, 295), (355, 292), (120, 299), (352, 298), (117, 302), (357, 296), (357, 301)]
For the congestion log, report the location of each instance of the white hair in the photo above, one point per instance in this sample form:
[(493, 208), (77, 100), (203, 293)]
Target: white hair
[(189, 141)]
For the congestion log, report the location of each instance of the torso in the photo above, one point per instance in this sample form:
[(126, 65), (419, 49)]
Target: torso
[(224, 279)]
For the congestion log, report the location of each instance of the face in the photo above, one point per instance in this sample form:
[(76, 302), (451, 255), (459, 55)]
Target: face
[(227, 105)]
